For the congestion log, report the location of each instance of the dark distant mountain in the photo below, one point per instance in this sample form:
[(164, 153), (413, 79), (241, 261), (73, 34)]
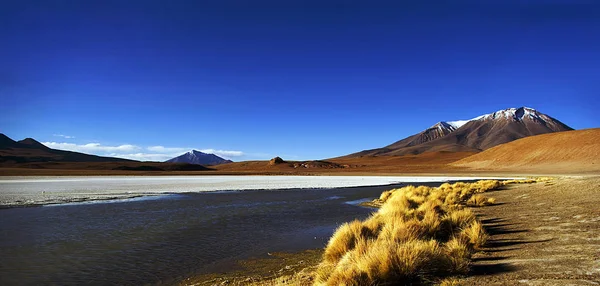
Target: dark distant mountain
[(7, 143), (473, 135), (30, 150), (199, 158), (32, 143)]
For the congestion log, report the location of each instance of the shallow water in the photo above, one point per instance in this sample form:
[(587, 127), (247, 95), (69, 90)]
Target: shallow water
[(161, 241)]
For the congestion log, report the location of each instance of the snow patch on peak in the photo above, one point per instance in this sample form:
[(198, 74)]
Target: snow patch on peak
[(457, 123), (442, 125), (195, 153), (450, 125), (517, 114)]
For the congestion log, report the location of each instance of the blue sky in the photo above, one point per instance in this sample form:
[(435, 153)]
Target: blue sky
[(296, 79)]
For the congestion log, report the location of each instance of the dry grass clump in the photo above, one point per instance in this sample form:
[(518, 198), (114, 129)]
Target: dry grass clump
[(345, 239), (451, 282), (420, 234), (528, 180), (479, 200)]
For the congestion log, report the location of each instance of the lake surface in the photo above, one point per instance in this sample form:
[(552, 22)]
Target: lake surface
[(164, 239), (19, 191)]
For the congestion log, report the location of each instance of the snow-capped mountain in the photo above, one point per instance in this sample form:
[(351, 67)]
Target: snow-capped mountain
[(199, 158), (479, 133)]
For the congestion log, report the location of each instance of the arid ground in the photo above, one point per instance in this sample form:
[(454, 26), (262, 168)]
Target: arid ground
[(542, 234)]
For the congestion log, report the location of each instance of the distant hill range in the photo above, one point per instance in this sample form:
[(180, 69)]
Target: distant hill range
[(30, 150), (199, 158), (572, 151), (29, 154), (475, 135)]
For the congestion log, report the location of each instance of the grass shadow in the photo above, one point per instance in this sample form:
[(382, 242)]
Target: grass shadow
[(499, 250), (492, 220), (511, 242), (495, 227), (501, 188), (490, 258), (499, 229), (490, 269)]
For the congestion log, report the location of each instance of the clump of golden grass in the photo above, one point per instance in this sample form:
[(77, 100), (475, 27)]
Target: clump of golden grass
[(479, 201), (528, 180), (451, 282), (419, 234)]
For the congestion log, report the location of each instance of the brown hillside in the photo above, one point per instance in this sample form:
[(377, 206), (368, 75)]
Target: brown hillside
[(430, 162), (569, 151)]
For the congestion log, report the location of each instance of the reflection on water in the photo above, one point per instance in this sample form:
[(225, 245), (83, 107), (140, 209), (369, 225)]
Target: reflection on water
[(163, 240), (112, 201)]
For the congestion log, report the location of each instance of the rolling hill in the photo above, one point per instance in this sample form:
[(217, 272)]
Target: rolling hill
[(570, 151), (30, 150), (29, 156)]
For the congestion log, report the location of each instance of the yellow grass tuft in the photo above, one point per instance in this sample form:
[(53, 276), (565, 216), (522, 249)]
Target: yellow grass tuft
[(528, 180), (459, 255), (479, 200), (386, 261), (474, 235), (451, 282), (345, 239), (418, 235)]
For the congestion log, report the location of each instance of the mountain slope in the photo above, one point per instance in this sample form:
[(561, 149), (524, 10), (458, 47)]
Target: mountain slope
[(7, 143), (199, 158), (30, 150), (32, 143), (473, 135), (571, 151)]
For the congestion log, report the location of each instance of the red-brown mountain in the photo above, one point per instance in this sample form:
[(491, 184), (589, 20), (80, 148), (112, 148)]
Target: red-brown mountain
[(477, 134)]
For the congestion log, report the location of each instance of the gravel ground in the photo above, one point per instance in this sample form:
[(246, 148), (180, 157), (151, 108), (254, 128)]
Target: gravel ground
[(542, 234)]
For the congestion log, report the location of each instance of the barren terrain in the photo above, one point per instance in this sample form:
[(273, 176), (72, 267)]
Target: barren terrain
[(542, 234), (427, 163)]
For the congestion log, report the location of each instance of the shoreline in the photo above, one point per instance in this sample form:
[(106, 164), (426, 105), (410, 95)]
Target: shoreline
[(287, 271), (417, 172), (16, 192), (515, 228)]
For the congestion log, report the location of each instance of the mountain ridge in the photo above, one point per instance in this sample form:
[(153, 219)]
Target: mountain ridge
[(30, 150), (199, 158), (474, 135)]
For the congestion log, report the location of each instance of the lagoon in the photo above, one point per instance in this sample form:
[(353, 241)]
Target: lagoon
[(178, 228)]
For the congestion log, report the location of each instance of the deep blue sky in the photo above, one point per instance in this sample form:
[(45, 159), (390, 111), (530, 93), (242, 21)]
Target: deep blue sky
[(298, 79)]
